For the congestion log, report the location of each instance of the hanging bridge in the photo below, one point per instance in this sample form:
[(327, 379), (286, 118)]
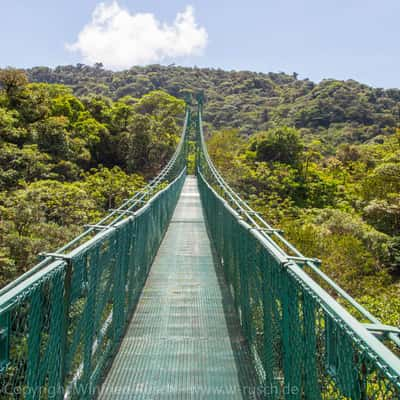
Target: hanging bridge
[(185, 292)]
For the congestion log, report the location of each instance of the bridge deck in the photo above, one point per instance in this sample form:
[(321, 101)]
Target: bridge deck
[(184, 339)]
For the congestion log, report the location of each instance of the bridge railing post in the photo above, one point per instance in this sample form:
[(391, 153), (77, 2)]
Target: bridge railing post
[(119, 284), (35, 323), (89, 313), (64, 327)]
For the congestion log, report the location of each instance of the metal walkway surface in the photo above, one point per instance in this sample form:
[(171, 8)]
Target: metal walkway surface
[(184, 339)]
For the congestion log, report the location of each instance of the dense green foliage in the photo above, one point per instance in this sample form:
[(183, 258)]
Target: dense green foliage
[(342, 208), (65, 161), (334, 111)]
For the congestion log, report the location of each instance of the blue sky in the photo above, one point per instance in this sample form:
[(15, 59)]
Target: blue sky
[(341, 39)]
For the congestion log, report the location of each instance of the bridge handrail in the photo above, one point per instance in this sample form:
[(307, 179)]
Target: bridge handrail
[(16, 290), (113, 217), (269, 233), (253, 223)]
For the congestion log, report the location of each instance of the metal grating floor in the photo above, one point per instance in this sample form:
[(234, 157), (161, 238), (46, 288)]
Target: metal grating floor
[(184, 339)]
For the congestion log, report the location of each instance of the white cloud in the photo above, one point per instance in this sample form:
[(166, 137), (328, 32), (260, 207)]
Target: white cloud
[(120, 39)]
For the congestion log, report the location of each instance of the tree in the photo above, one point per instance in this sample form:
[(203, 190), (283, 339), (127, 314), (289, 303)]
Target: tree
[(11, 129), (52, 136), (12, 81), (22, 164), (382, 181), (384, 214), (160, 104), (90, 130), (121, 116), (224, 146), (34, 102), (135, 144), (280, 144), (67, 105), (109, 187), (99, 107)]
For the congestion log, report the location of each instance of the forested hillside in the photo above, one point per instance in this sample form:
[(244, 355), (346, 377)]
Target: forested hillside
[(321, 161), (334, 111), (65, 161)]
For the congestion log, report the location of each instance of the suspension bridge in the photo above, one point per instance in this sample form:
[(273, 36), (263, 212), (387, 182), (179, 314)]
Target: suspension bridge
[(185, 292)]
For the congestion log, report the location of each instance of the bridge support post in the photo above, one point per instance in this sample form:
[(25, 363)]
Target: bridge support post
[(269, 357), (57, 332), (291, 338), (312, 389), (89, 313), (119, 285), (35, 323)]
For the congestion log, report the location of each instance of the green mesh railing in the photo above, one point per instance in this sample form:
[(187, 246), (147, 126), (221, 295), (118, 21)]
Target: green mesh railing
[(305, 345), (61, 323)]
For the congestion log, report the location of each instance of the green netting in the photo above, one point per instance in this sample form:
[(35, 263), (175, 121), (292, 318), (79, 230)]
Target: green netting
[(304, 344), (62, 322), (64, 327), (302, 348)]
